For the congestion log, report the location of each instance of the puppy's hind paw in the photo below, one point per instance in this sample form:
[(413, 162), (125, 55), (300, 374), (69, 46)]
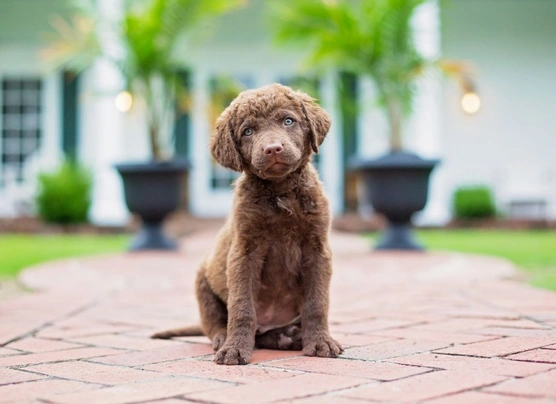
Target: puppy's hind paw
[(230, 355), (324, 347)]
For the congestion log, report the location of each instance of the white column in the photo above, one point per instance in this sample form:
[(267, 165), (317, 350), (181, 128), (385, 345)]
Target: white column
[(371, 122), (106, 125), (424, 134), (199, 176), (423, 131), (51, 150), (331, 149), (205, 201)]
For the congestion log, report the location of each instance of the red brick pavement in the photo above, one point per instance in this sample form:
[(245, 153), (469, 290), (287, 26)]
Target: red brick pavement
[(430, 328)]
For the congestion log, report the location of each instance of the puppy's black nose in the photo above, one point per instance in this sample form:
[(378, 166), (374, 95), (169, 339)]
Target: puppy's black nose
[(273, 148)]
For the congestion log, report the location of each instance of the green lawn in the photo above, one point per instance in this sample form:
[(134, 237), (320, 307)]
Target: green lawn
[(534, 251), (21, 251)]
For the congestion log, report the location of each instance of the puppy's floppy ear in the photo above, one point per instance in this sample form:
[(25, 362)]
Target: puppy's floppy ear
[(317, 119), (222, 143)]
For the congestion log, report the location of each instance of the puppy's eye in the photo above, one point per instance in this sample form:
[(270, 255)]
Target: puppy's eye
[(248, 132), (289, 121)]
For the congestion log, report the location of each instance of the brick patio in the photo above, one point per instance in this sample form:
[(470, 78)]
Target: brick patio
[(434, 328)]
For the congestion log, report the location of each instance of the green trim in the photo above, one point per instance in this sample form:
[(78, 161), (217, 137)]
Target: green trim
[(349, 111), (182, 125), (70, 116)]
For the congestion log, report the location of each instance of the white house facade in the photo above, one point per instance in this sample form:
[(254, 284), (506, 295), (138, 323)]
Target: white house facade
[(510, 144), (44, 114)]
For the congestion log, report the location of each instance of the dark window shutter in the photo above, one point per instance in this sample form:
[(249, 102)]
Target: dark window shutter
[(70, 83), (349, 111), (182, 124), (349, 102)]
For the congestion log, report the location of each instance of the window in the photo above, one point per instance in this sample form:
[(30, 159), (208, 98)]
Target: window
[(223, 90), (309, 85), (21, 123)]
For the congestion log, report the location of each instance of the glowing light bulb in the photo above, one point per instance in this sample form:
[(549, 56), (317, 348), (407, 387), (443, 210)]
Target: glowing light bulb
[(470, 103), (124, 101)]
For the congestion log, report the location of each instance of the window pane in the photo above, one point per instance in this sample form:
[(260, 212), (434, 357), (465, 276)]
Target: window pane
[(29, 146), (12, 122), (30, 97), (31, 121), (11, 146), (21, 118), (12, 97)]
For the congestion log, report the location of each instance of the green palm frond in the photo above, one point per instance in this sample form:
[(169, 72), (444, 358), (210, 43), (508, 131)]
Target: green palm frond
[(151, 31), (149, 35), (371, 38), (73, 45)]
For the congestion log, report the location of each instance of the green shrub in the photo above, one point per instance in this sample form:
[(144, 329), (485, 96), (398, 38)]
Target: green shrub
[(473, 202), (64, 195)]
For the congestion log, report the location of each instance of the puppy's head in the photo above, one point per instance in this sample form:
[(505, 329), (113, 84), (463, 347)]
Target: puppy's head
[(270, 131)]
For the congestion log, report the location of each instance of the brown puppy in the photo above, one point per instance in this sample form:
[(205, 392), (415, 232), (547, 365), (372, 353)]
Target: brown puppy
[(266, 284)]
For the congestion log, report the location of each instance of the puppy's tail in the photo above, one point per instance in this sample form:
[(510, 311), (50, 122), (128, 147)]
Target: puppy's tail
[(189, 331)]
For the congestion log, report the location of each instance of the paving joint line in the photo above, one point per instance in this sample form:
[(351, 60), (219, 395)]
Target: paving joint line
[(20, 367), (50, 323), (52, 377), (519, 315)]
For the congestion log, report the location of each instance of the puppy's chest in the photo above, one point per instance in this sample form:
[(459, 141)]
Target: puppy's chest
[(288, 224), (284, 257)]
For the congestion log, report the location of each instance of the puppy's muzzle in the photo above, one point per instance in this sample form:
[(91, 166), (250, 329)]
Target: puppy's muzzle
[(273, 149)]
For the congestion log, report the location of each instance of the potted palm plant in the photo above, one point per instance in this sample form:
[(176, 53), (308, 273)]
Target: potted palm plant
[(373, 38), (144, 47)]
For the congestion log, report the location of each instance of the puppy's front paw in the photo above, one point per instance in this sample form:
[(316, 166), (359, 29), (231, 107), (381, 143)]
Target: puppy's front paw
[(233, 355), (325, 347), (218, 340)]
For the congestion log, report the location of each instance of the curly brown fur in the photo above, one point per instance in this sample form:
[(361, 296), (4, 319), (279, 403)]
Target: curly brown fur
[(266, 284)]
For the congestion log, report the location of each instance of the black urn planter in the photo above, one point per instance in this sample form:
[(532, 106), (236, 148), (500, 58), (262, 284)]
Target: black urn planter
[(152, 191), (397, 186)]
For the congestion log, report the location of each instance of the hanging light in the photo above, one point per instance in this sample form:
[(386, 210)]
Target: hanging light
[(124, 101), (470, 103), (470, 100)]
